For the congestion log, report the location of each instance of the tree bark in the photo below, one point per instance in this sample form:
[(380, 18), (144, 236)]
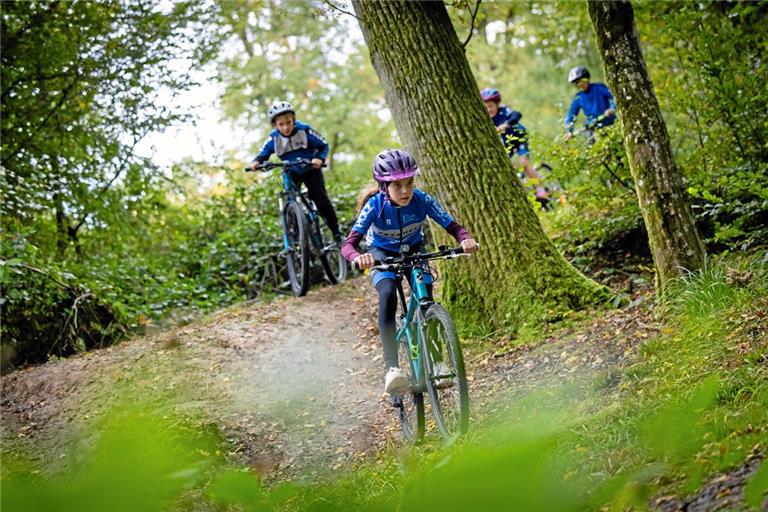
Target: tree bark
[(518, 276), (673, 237)]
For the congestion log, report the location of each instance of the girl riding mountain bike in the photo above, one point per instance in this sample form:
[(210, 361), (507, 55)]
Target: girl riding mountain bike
[(514, 136), (391, 217)]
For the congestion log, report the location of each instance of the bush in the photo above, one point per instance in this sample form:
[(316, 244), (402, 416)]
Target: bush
[(47, 312)]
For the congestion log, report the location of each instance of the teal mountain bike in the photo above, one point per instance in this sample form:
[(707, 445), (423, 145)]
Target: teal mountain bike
[(306, 235), (429, 351)]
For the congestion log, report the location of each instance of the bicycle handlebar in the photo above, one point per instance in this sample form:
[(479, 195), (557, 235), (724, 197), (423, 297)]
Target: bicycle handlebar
[(590, 125), (395, 263), (268, 166)]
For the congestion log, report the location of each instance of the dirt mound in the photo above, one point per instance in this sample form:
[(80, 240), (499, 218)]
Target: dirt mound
[(294, 384)]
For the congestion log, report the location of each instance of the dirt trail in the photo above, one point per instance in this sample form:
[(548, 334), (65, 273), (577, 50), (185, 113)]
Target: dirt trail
[(294, 383)]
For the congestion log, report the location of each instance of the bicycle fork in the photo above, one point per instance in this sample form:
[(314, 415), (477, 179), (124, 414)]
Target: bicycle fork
[(286, 243)]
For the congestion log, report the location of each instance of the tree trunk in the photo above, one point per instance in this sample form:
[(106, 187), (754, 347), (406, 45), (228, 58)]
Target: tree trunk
[(672, 234), (518, 276)]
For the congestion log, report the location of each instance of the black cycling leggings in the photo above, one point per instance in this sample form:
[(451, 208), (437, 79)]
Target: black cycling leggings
[(387, 312), (315, 183)]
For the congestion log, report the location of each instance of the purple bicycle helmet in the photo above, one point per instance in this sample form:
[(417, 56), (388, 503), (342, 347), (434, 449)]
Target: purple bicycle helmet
[(393, 165), (490, 94)]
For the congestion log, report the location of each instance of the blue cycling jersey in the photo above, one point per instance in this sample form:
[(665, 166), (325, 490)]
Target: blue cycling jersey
[(398, 228), (515, 137), (304, 142), (594, 101)]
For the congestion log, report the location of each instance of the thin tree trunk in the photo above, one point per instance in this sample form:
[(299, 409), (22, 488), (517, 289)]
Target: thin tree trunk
[(518, 275), (672, 234)]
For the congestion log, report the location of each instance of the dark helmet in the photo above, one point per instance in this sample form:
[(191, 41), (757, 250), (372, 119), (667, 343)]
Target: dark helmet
[(578, 73), (279, 107), (490, 94), (393, 165)]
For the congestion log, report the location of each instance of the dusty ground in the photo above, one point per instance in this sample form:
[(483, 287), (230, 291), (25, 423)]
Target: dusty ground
[(295, 384)]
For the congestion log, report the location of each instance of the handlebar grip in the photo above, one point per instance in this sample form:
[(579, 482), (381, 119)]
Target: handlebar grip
[(357, 267)]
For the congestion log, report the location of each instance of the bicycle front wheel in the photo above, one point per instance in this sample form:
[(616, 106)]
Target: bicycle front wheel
[(445, 376), (333, 263), (298, 248), (410, 406)]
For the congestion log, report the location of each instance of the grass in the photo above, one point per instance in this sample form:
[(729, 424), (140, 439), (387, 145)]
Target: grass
[(693, 405)]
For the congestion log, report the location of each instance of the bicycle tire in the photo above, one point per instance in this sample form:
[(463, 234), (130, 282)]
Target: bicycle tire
[(411, 404), (329, 253), (449, 396), (298, 254)]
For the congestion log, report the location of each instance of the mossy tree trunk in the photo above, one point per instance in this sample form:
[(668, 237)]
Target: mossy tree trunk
[(672, 234), (518, 275)]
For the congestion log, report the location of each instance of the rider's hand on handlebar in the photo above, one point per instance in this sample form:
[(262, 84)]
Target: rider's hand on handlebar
[(608, 112), (568, 136), (317, 163), (364, 261), (469, 245), (255, 166)]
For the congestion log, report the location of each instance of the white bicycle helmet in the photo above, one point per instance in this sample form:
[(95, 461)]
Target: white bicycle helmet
[(577, 73), (279, 107)]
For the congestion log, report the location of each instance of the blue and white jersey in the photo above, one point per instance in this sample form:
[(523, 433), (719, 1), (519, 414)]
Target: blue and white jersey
[(515, 137), (304, 142), (393, 228)]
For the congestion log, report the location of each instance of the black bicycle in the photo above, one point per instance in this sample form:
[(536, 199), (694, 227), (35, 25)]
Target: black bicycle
[(306, 235), (427, 340)]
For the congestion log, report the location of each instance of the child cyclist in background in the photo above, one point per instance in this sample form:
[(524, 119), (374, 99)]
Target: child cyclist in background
[(291, 140), (594, 98), (514, 136), (391, 218)]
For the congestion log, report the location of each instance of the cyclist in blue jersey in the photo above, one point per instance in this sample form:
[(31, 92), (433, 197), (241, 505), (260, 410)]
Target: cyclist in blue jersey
[(291, 140), (514, 136), (595, 99), (391, 219)]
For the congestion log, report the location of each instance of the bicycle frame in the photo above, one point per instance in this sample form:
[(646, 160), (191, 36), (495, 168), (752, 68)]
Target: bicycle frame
[(418, 297), (292, 193)]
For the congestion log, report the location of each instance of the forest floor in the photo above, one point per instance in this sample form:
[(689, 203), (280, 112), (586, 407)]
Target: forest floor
[(295, 385)]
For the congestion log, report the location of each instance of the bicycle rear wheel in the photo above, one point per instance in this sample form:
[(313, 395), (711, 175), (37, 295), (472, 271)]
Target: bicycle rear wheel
[(333, 263), (298, 248), (411, 405), (445, 376)]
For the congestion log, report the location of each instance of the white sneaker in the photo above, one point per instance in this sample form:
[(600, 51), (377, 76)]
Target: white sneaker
[(395, 383)]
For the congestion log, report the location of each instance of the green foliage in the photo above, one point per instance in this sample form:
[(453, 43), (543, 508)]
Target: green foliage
[(316, 65), (601, 211), (48, 312), (82, 84), (716, 106), (140, 462)]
